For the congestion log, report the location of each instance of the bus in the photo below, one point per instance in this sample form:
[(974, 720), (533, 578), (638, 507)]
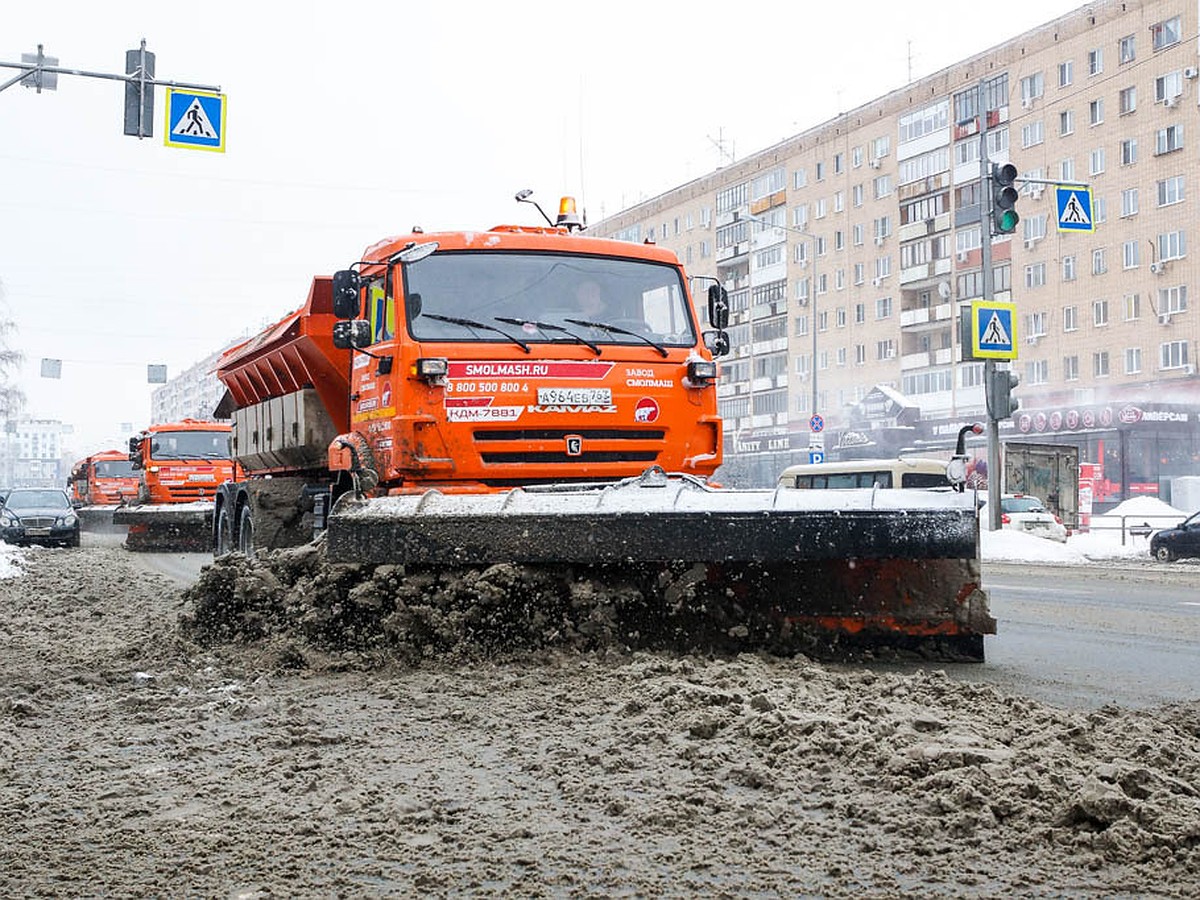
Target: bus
[(913, 472)]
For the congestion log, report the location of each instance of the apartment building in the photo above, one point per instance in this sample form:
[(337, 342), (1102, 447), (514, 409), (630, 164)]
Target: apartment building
[(851, 250)]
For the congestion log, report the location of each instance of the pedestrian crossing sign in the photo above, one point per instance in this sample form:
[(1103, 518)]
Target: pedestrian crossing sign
[(1074, 206), (196, 120), (993, 329)]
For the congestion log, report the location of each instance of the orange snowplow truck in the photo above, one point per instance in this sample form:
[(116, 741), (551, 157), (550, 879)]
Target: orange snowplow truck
[(99, 483), (535, 395), (179, 466)]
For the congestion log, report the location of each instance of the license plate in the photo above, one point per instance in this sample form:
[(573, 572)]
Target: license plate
[(569, 396), (37, 532), (208, 477)]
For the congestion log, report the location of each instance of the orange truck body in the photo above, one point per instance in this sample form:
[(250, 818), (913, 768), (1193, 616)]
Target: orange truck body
[(181, 462), (103, 479)]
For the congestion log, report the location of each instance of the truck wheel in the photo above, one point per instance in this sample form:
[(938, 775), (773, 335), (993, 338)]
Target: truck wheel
[(1164, 554), (246, 532), (224, 542)]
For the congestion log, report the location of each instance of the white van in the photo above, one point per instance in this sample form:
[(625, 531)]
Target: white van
[(913, 472)]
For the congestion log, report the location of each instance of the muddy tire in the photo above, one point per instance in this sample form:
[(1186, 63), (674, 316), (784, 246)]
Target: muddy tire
[(246, 533), (1164, 554), (224, 532)]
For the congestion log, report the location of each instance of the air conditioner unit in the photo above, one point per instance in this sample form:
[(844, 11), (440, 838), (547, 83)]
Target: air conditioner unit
[(1189, 369), (1035, 191), (877, 281), (1033, 339), (1164, 319), (875, 162), (1171, 102), (1029, 243), (1026, 102), (879, 238), (1191, 72), (1157, 267), (962, 256), (890, 354)]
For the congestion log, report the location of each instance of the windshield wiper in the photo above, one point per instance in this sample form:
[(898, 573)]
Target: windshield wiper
[(471, 323), (547, 326), (616, 329)]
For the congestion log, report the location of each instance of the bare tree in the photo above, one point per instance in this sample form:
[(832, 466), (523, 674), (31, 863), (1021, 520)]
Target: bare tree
[(12, 398)]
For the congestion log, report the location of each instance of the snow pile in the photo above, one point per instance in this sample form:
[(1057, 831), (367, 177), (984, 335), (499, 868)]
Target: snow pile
[(11, 559), (1007, 545)]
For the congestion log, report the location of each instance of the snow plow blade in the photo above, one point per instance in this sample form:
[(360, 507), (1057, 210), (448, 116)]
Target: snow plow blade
[(97, 519), (787, 569), (166, 528)]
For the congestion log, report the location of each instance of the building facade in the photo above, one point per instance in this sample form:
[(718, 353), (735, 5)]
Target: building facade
[(851, 250), (192, 394), (33, 453)]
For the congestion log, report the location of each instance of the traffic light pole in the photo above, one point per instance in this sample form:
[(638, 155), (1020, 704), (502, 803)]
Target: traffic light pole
[(989, 365)]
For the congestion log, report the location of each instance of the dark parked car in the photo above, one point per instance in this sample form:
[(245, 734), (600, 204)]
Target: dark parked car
[(39, 516), (1178, 542)]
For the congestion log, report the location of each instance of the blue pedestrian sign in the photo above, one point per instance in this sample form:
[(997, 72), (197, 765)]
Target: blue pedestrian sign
[(993, 329), (817, 424), (816, 456), (196, 120), (1074, 207)]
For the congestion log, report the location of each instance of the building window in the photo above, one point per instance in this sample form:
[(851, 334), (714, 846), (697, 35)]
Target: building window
[(860, 270), (1035, 228), (1068, 268), (1170, 191), (1037, 324), (1126, 52), (856, 157), (885, 349), (1133, 307), (1165, 33), (1099, 313), (1172, 300), (1037, 372), (800, 178), (1168, 139), (857, 231), (1100, 364), (860, 354), (1099, 261), (819, 209), (839, 201), (1129, 202), (1032, 87), (1065, 71), (1096, 161), (1070, 318), (883, 308), (820, 171), (860, 313), (1070, 368), (1131, 254), (1173, 355), (1035, 275), (1095, 61), (1096, 112), (1033, 134), (1128, 152), (883, 186), (1099, 210), (1171, 245), (1127, 101), (838, 163), (1168, 87), (1066, 169), (1066, 122), (856, 194), (1133, 360), (881, 147)]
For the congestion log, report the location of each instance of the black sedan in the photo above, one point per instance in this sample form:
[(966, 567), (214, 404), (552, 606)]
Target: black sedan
[(1178, 542), (39, 516)]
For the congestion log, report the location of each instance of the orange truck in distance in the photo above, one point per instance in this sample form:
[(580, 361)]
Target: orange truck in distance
[(179, 466), (98, 484), (540, 396)]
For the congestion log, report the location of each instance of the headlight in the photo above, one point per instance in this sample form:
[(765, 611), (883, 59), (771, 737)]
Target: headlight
[(7, 518), (66, 521)]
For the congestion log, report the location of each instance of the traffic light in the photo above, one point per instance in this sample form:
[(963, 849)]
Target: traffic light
[(1000, 401), (1004, 199)]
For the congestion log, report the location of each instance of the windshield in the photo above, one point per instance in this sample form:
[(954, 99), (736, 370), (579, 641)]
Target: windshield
[(18, 500), (189, 445), (114, 468), (546, 298), (1021, 504)]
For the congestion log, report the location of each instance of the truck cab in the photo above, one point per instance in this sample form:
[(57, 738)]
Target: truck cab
[(181, 462)]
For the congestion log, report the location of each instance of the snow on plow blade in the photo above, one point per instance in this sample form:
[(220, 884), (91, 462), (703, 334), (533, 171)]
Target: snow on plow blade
[(165, 528), (870, 566)]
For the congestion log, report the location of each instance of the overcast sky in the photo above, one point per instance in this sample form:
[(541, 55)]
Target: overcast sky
[(351, 121)]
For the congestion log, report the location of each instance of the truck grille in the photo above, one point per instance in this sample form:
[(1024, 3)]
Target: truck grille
[(641, 445)]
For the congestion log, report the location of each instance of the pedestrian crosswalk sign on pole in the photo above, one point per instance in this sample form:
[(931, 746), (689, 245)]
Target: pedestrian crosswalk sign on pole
[(1074, 206), (195, 120), (993, 329)]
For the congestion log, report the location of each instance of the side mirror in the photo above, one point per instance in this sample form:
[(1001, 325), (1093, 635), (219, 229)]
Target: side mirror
[(717, 342), (346, 287), (718, 306), (350, 334)]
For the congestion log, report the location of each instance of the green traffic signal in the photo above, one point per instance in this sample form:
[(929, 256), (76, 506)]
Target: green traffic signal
[(1004, 199)]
